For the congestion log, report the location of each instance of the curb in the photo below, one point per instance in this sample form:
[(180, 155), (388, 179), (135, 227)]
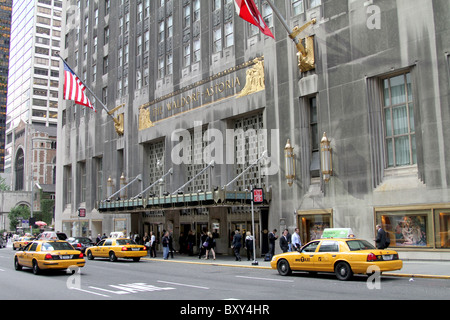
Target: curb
[(218, 264)]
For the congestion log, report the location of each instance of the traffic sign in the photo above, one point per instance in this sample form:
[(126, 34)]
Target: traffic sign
[(258, 195)]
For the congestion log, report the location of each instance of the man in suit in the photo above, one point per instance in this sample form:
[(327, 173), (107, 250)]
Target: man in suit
[(237, 244), (272, 237), (284, 241), (380, 240)]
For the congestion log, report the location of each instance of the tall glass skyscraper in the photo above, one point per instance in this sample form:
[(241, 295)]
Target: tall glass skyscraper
[(33, 90)]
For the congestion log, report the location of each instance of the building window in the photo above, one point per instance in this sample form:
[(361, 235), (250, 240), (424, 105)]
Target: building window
[(314, 134), (105, 65), (217, 40), (315, 3), (297, 7), (19, 170), (399, 121)]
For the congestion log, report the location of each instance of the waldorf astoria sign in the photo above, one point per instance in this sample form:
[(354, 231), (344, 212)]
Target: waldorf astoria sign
[(236, 82)]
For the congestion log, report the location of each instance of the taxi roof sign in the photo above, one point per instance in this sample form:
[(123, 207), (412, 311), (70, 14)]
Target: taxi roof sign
[(337, 233)]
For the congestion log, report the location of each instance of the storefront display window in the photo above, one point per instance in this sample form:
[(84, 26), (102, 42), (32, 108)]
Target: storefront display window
[(442, 223), (425, 227), (406, 228), (312, 224)]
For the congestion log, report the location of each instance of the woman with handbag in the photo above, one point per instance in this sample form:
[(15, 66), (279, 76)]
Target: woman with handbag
[(209, 245)]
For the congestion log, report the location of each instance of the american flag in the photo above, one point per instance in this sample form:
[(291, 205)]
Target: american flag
[(74, 88)]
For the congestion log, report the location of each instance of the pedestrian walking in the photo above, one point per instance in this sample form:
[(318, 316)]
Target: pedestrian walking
[(237, 244), (296, 241), (165, 244), (284, 243), (382, 241), (202, 249), (171, 250), (152, 245), (146, 241), (248, 244), (272, 238), (210, 244)]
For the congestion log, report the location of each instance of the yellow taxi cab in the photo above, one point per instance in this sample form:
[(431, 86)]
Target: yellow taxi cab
[(343, 256), (48, 254), (114, 248), (21, 243)]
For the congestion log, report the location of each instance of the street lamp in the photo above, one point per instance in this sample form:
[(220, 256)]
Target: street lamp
[(290, 163), (325, 158)]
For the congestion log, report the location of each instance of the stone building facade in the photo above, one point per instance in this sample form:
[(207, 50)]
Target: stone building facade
[(204, 104)]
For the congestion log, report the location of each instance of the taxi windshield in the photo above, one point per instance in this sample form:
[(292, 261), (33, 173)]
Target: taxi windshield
[(122, 242), (51, 246), (355, 245)]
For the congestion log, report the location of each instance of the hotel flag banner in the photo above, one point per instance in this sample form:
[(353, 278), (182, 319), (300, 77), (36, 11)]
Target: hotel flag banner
[(74, 88), (247, 10)]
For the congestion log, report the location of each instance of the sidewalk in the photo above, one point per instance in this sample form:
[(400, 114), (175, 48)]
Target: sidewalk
[(411, 268)]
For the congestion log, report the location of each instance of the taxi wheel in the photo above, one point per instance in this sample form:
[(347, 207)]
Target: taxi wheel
[(36, 269), (90, 256), (112, 256), (17, 266), (283, 268), (343, 271)]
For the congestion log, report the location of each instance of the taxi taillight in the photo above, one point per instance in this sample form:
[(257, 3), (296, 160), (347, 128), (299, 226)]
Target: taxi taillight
[(372, 257), (124, 249), (48, 256)]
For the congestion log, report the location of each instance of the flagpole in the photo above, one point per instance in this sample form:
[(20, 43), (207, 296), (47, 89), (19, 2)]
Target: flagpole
[(292, 33), (92, 92)]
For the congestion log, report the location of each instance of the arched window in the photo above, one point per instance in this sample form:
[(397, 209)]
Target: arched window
[(19, 166)]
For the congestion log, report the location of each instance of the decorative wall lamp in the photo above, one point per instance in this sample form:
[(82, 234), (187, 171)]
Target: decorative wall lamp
[(290, 163), (326, 164)]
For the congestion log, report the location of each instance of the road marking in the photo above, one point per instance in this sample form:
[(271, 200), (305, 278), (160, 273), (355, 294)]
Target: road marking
[(132, 288), (267, 279), (1, 270), (183, 285), (91, 292)]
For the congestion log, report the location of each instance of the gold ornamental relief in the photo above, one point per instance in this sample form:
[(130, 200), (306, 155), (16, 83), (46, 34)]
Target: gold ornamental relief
[(144, 119), (255, 80), (119, 124)]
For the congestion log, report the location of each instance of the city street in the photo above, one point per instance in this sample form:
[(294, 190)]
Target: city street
[(155, 279)]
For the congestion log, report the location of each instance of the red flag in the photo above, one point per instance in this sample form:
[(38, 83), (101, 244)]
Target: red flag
[(74, 88), (247, 10)]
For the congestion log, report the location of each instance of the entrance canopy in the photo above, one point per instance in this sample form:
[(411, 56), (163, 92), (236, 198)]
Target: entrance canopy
[(208, 198)]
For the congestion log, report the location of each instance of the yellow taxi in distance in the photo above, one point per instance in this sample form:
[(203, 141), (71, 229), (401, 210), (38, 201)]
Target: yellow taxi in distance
[(114, 248), (47, 254), (343, 256), (21, 243)]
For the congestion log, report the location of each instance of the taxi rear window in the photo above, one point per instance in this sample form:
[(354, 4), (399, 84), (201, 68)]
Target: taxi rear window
[(122, 242), (355, 245), (50, 246)]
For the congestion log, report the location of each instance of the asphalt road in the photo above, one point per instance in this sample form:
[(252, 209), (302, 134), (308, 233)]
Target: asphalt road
[(162, 280)]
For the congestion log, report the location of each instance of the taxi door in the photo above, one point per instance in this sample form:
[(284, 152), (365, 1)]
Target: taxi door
[(326, 255), (106, 248), (305, 259), (28, 254), (97, 249)]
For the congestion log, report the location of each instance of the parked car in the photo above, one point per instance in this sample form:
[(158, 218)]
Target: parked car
[(51, 235), (343, 256), (113, 249), (80, 243)]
